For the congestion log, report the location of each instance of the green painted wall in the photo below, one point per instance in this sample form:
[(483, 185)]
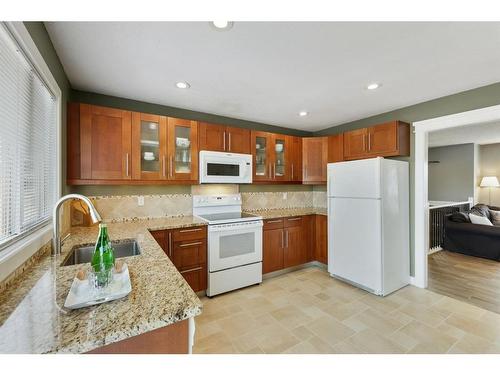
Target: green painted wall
[(42, 40), (465, 101), (138, 106)]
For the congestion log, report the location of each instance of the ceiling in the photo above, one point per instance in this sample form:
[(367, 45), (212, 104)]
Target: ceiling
[(481, 134), (269, 71)]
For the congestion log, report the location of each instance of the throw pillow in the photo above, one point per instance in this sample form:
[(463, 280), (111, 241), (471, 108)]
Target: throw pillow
[(483, 220), (461, 217), (495, 217), (480, 210)]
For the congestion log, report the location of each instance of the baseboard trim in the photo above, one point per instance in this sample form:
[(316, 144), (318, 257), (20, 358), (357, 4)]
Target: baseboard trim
[(314, 263), (412, 281)]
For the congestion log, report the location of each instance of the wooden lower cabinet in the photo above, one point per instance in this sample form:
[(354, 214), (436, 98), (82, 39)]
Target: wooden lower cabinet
[(292, 241), (297, 241), (286, 243), (273, 249), (172, 339), (196, 277), (321, 238), (187, 249)]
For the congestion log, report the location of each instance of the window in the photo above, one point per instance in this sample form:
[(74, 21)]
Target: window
[(28, 141)]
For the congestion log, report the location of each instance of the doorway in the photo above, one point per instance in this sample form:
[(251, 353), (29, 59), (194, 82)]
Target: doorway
[(421, 199)]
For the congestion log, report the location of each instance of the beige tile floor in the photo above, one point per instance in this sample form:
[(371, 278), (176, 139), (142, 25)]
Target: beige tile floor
[(307, 311)]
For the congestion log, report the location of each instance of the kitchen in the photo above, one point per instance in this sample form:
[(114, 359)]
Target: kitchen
[(207, 215)]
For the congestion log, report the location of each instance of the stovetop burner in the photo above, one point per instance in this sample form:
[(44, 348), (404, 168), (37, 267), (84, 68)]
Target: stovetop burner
[(228, 217)]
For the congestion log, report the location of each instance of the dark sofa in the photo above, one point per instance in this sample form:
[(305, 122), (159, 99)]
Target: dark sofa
[(461, 236)]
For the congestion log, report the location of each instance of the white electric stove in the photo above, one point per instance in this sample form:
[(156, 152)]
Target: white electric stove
[(234, 242)]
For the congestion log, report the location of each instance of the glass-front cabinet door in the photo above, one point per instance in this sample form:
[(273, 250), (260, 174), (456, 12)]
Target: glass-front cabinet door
[(182, 149), (149, 135), (280, 159), (261, 146)]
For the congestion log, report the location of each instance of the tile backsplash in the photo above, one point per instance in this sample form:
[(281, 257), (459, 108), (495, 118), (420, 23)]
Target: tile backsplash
[(126, 207), (273, 200)]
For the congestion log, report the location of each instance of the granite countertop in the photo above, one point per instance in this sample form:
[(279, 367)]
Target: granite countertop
[(288, 212), (32, 316)]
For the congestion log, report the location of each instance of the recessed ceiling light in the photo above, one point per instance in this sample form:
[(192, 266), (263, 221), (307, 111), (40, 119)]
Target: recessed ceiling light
[(182, 85), (303, 113), (221, 25), (373, 86)]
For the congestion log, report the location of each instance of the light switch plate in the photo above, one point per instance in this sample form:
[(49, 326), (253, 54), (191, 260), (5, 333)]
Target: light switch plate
[(140, 200)]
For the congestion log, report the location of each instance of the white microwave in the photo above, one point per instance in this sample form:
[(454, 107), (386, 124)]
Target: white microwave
[(225, 168)]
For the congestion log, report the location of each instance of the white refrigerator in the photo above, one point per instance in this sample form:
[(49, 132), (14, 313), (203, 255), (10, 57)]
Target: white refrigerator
[(368, 224)]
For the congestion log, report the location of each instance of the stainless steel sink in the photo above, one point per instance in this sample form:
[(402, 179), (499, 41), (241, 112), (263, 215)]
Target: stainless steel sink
[(83, 254)]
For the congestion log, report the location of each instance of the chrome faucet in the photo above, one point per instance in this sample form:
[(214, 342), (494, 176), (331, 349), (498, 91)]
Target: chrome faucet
[(94, 215)]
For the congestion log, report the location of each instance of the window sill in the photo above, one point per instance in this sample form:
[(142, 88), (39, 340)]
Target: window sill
[(18, 253)]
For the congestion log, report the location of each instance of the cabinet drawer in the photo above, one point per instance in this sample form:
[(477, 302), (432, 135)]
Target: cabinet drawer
[(187, 234), (189, 254), (273, 223), (295, 221), (196, 277)]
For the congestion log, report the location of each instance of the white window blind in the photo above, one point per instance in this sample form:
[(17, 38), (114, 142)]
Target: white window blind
[(28, 141)]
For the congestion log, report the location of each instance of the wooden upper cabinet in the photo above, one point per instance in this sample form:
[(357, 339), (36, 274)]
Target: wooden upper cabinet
[(355, 144), (314, 159), (238, 140), (182, 150), (149, 147), (105, 143), (271, 157), (213, 137), (261, 145), (388, 139), (280, 149), (335, 148), (295, 158)]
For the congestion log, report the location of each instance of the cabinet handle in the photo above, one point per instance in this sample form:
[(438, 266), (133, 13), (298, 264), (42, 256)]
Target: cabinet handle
[(192, 270), (171, 165), (292, 171), (189, 230), (164, 166), (364, 142), (286, 239), (283, 239), (170, 244), (270, 174), (191, 244), (224, 140), (229, 137), (126, 164), (273, 221), (295, 219), (274, 171), (369, 141)]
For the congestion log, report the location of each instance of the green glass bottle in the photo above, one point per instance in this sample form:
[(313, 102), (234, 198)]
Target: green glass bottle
[(103, 258)]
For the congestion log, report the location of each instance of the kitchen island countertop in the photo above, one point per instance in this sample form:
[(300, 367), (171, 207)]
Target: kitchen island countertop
[(32, 316)]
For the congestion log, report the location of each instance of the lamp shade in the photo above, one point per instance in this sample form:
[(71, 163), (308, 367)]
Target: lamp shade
[(489, 181)]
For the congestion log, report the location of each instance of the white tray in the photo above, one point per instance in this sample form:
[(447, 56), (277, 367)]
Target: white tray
[(82, 294)]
